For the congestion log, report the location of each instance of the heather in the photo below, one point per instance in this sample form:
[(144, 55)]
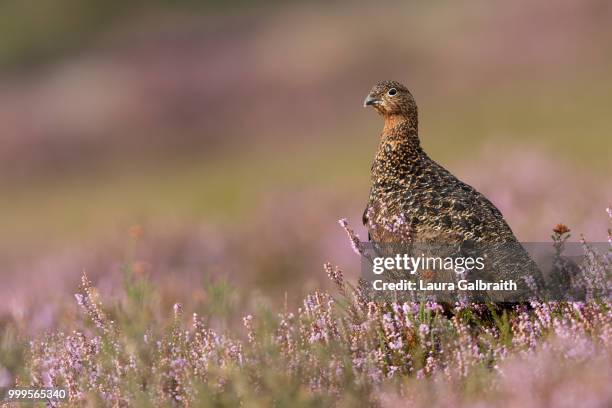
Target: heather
[(337, 349)]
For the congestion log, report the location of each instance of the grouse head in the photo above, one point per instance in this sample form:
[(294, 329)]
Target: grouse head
[(394, 102)]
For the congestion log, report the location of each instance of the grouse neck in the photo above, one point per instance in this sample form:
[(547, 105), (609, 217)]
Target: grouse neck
[(398, 157), (394, 121), (400, 130)]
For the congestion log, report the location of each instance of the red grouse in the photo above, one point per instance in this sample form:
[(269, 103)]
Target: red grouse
[(414, 199)]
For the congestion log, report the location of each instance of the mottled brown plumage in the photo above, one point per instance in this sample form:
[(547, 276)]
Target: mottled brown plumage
[(411, 189)]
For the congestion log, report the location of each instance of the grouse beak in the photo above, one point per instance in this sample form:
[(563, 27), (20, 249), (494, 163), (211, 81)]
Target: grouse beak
[(371, 101)]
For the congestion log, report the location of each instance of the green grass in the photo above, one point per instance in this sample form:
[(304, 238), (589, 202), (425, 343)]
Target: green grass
[(570, 120), (73, 207)]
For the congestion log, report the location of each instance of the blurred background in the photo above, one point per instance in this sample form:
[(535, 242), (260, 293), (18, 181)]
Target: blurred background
[(207, 141)]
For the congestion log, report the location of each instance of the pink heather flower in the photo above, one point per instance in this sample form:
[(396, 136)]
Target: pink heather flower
[(248, 324), (433, 307), (334, 273), (353, 237), (178, 308), (530, 282)]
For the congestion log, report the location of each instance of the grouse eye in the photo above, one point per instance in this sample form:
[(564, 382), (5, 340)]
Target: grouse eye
[(392, 91)]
